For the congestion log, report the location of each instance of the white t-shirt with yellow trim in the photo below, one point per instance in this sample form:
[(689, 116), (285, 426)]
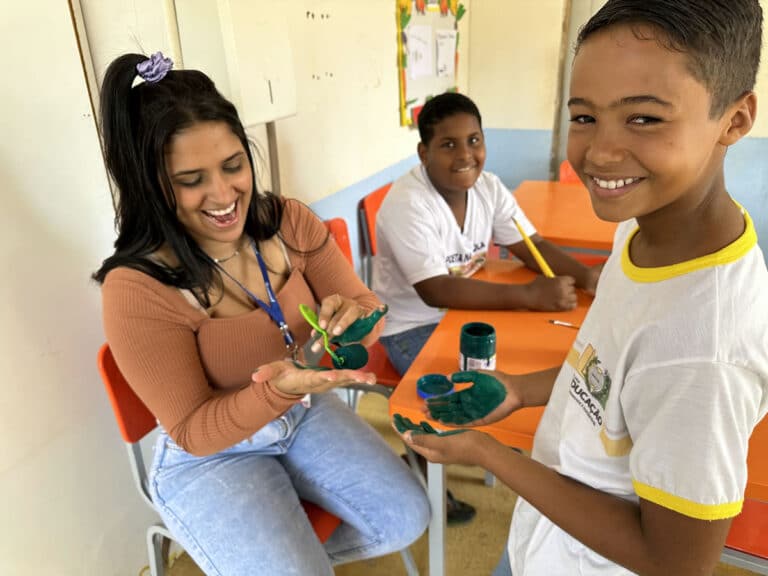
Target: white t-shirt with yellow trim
[(657, 398), (417, 237)]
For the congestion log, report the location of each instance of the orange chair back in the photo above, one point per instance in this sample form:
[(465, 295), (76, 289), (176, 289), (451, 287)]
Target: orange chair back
[(567, 173), (369, 207), (133, 418), (136, 421), (749, 530), (337, 227)]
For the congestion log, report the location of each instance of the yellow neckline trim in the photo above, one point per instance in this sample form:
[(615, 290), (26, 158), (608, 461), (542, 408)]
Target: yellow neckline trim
[(685, 506), (730, 253)]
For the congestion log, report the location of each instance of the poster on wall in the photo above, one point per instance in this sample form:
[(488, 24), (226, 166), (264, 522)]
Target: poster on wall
[(427, 52)]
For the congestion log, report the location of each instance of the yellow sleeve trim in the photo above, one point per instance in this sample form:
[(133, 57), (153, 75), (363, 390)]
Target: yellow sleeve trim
[(687, 507)]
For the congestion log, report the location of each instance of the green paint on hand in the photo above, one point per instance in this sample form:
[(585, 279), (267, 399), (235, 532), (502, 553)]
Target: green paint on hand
[(403, 424), (360, 328), (473, 403)]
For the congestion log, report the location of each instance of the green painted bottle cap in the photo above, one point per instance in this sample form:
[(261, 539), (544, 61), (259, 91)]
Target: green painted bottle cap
[(431, 385)]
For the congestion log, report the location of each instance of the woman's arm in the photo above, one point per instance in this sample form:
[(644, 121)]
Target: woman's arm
[(154, 343)]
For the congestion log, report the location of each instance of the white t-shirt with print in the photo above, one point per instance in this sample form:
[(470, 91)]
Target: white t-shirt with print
[(657, 398), (417, 238)]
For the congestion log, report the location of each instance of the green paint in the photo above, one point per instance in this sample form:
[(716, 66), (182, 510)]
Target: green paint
[(360, 328), (433, 385), (351, 357), (403, 424), (473, 403)]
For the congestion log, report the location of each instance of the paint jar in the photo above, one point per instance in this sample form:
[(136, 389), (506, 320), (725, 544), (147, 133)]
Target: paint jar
[(477, 347), (431, 385)]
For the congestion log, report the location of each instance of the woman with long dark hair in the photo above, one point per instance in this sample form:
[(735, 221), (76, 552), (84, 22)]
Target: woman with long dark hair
[(201, 310)]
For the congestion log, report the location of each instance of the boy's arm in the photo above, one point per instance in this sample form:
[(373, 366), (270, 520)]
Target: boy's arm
[(561, 262), (645, 538), (446, 291)]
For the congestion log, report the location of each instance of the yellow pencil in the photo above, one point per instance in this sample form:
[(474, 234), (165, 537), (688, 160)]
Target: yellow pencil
[(545, 269)]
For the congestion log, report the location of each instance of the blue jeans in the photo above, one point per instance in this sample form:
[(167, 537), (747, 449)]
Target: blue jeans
[(237, 512), (504, 567), (403, 347)]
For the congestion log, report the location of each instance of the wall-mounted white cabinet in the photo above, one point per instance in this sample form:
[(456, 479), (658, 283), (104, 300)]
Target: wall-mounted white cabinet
[(244, 46)]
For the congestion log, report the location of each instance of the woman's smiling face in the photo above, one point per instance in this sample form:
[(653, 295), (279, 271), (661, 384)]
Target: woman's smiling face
[(212, 183)]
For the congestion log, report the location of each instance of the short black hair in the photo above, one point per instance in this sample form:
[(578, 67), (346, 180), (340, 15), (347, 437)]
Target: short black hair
[(722, 38), (441, 107)]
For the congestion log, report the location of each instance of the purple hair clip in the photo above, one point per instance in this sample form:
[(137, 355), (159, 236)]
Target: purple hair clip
[(154, 68)]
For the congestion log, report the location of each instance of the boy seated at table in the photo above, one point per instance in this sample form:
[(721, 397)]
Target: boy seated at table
[(435, 227), (639, 461), (433, 232)]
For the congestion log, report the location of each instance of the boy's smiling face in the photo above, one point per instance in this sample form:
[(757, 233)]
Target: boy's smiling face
[(641, 136), (455, 156)]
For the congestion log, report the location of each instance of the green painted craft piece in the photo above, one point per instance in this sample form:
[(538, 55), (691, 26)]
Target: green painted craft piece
[(311, 317), (360, 328), (403, 424), (473, 403), (351, 357)]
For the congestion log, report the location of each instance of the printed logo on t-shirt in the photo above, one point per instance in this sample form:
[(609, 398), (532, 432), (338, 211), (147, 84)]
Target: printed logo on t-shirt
[(590, 384), (590, 387), (465, 265)]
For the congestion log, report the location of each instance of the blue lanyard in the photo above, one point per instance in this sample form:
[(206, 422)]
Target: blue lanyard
[(272, 308)]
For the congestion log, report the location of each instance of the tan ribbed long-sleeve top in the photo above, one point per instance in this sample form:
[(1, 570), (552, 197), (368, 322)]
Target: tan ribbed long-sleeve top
[(194, 372)]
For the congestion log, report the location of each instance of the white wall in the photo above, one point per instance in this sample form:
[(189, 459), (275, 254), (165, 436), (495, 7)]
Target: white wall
[(68, 505), (347, 124), (515, 54)]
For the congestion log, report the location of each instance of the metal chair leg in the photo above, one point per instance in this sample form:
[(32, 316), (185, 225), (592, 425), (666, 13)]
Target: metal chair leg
[(410, 565), (157, 534)]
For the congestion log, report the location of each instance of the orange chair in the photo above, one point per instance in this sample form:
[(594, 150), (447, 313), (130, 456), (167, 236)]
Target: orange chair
[(367, 209), (747, 542), (378, 361), (135, 422), (567, 173)]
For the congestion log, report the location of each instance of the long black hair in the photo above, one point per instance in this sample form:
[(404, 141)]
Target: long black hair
[(137, 124)]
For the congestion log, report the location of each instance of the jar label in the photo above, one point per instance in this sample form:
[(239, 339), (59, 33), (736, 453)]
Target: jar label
[(469, 363)]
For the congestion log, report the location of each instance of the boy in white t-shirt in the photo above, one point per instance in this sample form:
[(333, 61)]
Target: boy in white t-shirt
[(639, 461), (435, 226)]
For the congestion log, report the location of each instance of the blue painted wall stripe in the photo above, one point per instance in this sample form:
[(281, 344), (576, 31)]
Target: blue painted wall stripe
[(517, 155)]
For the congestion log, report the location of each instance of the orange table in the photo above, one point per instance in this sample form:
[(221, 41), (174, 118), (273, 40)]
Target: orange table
[(562, 213), (525, 342)]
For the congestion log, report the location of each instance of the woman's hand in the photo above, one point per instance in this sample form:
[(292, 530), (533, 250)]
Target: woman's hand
[(492, 396), (336, 315), (287, 378)]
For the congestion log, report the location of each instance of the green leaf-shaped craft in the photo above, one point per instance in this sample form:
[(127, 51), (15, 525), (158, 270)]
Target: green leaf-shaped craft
[(360, 328)]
